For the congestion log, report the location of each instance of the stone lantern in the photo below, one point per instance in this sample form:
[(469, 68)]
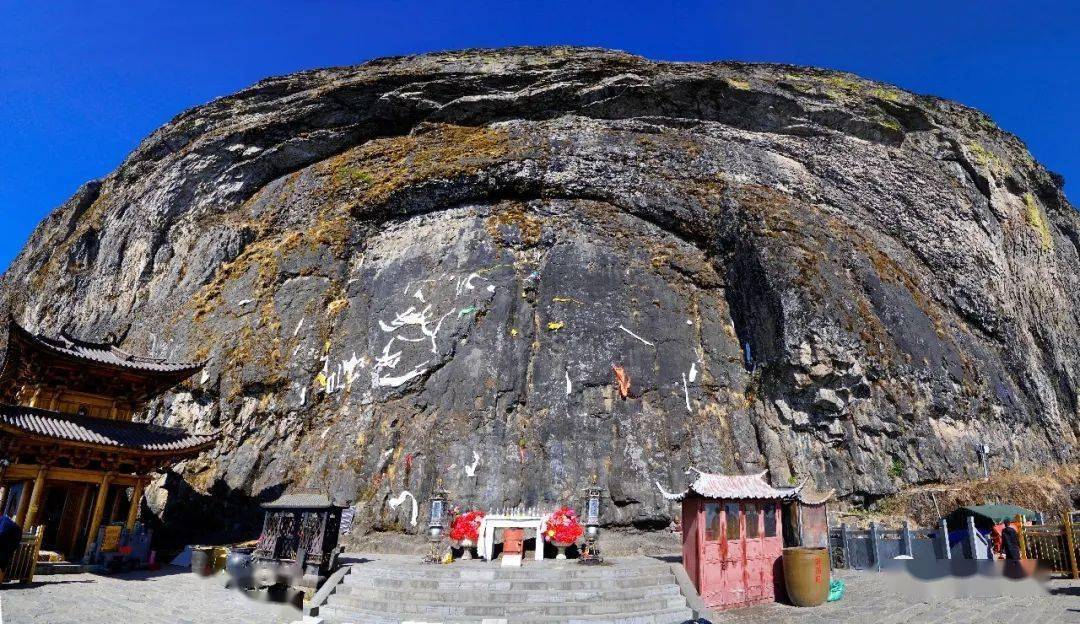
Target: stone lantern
[(590, 552), (436, 522)]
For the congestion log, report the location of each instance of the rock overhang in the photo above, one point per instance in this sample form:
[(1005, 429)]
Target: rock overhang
[(851, 258)]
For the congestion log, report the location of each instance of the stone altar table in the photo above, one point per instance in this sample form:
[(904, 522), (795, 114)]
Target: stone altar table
[(521, 520)]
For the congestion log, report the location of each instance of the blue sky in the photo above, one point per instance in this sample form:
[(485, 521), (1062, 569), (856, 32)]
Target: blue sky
[(82, 83)]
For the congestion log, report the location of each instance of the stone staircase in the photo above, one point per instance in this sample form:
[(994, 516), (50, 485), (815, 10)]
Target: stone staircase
[(631, 591)]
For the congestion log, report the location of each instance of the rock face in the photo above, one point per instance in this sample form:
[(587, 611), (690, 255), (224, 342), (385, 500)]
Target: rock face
[(432, 267)]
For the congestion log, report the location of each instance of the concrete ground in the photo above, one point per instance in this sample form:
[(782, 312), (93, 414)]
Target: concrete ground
[(874, 597), (171, 595), (174, 596)]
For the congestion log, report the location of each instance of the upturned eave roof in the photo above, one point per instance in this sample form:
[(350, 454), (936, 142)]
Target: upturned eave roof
[(732, 487), (106, 354), (109, 435)]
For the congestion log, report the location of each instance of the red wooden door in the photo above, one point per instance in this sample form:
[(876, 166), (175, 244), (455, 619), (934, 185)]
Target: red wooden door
[(741, 544), (764, 548), (712, 572), (734, 556), (772, 542), (691, 536), (755, 573)]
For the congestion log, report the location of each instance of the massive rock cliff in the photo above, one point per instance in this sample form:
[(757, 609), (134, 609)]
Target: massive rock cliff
[(431, 268)]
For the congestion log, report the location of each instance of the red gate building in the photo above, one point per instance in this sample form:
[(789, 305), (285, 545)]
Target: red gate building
[(732, 539)]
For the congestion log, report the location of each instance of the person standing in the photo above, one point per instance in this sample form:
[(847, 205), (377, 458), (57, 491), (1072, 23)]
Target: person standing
[(1010, 541), (995, 539)]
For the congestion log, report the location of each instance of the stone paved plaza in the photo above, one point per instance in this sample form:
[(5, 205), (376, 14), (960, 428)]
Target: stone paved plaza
[(175, 597), (168, 596), (870, 598)]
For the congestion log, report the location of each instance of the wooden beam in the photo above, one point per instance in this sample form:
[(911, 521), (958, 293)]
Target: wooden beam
[(35, 496), (22, 472), (99, 511), (136, 500)]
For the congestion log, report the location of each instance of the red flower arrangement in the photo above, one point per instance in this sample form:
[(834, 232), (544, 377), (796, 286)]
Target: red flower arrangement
[(466, 526), (562, 527)]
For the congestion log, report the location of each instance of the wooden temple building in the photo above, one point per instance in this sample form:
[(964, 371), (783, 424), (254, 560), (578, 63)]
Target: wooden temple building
[(71, 459)]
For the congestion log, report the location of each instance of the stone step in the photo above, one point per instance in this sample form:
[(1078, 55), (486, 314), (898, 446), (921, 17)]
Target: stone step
[(491, 572), (385, 591), (525, 584), (479, 607), (570, 570), (59, 568), (335, 615), (524, 596)]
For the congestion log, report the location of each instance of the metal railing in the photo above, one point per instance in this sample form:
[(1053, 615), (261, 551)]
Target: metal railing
[(1055, 546)]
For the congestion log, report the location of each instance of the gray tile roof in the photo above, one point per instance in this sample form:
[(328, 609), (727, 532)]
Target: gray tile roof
[(111, 355), (733, 487), (116, 433)]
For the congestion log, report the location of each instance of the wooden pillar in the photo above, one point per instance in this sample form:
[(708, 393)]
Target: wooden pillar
[(35, 497), (54, 402), (99, 510), (1070, 543), (24, 503), (36, 397), (136, 500), (6, 489), (1020, 533)]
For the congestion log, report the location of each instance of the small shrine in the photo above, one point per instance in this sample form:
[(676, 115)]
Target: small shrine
[(732, 538), (301, 530), (806, 520), (71, 459)]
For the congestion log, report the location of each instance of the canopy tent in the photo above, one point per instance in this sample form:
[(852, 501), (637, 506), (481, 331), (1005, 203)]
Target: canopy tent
[(986, 515)]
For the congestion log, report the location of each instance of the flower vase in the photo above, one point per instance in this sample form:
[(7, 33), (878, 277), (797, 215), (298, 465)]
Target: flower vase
[(466, 549), (561, 547)]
